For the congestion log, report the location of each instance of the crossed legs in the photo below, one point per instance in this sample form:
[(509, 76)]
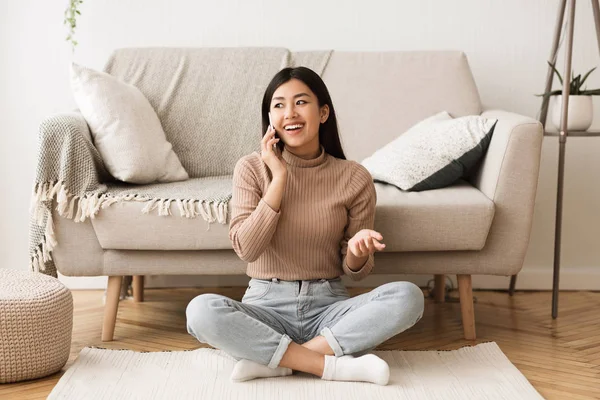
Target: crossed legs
[(308, 357)]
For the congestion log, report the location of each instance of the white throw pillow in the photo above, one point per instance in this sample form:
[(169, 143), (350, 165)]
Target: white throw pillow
[(432, 154), (125, 128)]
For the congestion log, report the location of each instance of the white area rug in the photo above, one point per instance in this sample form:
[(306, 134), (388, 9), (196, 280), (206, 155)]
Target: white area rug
[(473, 372)]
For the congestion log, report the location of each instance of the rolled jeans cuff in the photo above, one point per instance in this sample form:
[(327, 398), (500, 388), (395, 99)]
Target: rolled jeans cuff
[(333, 343), (280, 351)]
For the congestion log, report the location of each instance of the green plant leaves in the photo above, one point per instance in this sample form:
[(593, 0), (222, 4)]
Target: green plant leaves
[(70, 20), (574, 86), (586, 75), (557, 73), (552, 93)]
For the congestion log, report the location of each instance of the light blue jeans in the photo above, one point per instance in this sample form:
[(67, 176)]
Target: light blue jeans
[(273, 313)]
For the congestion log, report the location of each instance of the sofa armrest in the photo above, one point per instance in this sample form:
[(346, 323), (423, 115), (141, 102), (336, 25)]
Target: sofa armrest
[(512, 160), (508, 174)]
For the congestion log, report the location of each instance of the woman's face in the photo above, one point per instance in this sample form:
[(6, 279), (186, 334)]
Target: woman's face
[(294, 105)]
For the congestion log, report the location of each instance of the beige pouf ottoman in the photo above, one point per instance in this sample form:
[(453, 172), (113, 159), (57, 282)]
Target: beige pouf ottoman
[(36, 323)]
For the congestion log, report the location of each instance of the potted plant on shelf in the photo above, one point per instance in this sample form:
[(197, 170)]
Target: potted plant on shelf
[(581, 112)]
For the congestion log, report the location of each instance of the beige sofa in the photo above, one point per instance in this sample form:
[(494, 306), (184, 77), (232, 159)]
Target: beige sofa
[(477, 226)]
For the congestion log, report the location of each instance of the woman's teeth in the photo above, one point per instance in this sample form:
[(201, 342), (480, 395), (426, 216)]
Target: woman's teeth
[(293, 128)]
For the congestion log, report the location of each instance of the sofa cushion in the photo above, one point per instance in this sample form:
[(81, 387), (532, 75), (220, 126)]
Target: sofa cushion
[(166, 224), (457, 217)]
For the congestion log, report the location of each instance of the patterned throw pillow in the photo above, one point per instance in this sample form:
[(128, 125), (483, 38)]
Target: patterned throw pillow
[(432, 154), (125, 128)]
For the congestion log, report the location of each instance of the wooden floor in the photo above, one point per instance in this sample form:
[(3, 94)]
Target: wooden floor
[(561, 357)]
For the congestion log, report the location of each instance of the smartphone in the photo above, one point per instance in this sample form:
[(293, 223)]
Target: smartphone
[(275, 135)]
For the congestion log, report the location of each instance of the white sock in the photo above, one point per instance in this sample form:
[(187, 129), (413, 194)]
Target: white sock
[(246, 370), (367, 368)]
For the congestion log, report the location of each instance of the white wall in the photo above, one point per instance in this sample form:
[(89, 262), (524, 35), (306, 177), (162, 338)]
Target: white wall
[(507, 43)]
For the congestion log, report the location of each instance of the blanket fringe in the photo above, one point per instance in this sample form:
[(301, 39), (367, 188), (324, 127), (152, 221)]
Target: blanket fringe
[(88, 206)]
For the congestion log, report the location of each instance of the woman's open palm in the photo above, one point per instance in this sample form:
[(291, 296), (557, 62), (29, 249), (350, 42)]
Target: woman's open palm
[(365, 242)]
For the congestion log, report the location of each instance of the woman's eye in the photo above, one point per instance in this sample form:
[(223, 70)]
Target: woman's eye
[(278, 104)]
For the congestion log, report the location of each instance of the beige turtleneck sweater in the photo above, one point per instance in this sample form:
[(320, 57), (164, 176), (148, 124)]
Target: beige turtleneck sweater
[(325, 202)]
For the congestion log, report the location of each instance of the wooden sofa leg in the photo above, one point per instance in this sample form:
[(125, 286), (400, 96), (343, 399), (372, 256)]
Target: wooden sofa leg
[(439, 290), (110, 307), (138, 288), (513, 283), (465, 290)]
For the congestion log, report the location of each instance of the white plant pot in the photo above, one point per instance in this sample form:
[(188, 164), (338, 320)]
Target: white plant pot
[(581, 112)]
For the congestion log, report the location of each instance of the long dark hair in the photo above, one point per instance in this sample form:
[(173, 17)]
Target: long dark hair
[(328, 131)]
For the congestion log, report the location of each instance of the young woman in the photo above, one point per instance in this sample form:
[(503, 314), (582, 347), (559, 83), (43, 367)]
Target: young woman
[(302, 216)]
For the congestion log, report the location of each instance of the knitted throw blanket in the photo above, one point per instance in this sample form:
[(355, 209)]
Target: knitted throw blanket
[(71, 175)]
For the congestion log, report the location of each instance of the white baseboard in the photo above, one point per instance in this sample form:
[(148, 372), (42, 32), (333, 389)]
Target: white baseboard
[(83, 282), (582, 278)]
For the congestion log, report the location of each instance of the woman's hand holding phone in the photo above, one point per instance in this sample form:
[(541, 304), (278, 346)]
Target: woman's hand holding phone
[(270, 153)]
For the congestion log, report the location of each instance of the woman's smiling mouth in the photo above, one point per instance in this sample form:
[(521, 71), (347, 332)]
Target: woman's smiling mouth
[(293, 129)]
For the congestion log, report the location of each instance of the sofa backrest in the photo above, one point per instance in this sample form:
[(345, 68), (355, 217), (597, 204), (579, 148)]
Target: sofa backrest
[(208, 99), (379, 95)]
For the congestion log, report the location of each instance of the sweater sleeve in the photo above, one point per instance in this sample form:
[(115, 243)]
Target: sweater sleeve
[(361, 215), (253, 221)]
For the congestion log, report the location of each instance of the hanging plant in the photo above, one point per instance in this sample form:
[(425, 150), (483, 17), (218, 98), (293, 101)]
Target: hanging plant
[(71, 14)]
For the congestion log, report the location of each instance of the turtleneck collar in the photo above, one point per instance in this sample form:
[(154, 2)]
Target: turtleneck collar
[(296, 161)]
